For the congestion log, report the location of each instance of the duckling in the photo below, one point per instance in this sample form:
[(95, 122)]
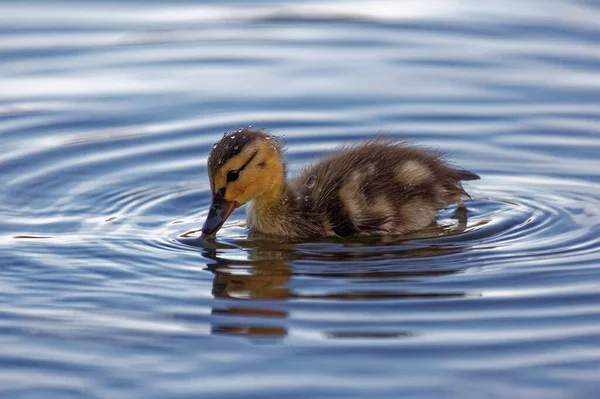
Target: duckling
[(378, 187)]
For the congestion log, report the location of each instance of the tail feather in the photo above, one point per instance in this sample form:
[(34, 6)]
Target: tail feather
[(466, 175)]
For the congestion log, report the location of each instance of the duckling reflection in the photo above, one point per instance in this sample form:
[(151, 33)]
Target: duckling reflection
[(264, 277), (255, 286)]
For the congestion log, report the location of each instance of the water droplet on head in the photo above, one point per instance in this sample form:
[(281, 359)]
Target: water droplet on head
[(298, 198), (306, 198), (232, 137), (310, 182), (235, 147)]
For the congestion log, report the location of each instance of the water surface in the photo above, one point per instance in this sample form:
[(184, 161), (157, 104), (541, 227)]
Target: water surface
[(108, 112)]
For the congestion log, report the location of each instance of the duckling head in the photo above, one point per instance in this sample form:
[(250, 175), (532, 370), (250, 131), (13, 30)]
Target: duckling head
[(245, 165)]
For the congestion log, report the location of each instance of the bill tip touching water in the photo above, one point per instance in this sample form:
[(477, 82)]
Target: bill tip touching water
[(377, 187)]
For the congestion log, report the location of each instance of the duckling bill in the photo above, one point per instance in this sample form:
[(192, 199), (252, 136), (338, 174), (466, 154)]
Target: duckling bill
[(378, 187)]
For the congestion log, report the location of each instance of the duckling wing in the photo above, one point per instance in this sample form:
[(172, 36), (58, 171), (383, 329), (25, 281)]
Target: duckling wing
[(379, 188)]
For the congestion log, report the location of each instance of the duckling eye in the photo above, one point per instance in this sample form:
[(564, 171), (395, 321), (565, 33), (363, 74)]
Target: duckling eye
[(232, 175)]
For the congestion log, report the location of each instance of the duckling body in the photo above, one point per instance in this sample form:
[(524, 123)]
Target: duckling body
[(378, 187)]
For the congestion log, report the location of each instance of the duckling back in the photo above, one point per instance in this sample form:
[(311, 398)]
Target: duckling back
[(375, 188)]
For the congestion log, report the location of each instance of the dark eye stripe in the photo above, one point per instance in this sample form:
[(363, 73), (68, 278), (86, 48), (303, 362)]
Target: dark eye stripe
[(234, 174), (248, 161)]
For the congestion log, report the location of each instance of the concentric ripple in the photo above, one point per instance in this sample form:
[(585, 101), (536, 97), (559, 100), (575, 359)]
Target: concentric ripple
[(107, 115)]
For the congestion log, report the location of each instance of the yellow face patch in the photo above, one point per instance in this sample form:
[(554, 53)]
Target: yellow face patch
[(259, 168), (240, 164)]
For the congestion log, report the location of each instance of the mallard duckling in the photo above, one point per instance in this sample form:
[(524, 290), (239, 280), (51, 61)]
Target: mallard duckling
[(378, 187)]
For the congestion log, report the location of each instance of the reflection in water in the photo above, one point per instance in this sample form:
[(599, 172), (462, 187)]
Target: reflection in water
[(241, 313), (262, 272), (263, 277)]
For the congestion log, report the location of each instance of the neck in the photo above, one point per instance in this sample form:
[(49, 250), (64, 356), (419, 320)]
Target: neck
[(271, 200), (267, 212)]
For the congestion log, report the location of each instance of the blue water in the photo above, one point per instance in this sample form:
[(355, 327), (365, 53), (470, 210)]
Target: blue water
[(108, 111)]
